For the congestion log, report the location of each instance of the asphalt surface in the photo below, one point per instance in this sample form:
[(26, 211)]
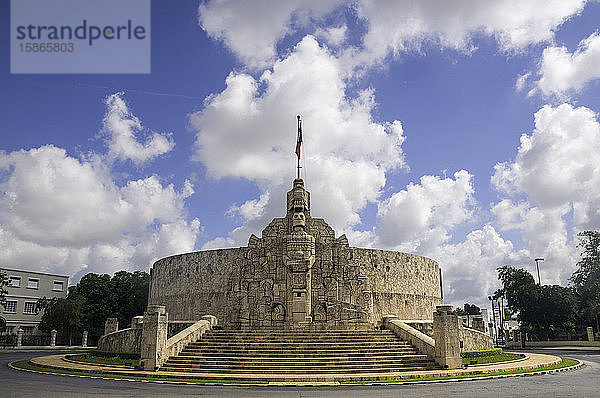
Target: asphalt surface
[(584, 382)]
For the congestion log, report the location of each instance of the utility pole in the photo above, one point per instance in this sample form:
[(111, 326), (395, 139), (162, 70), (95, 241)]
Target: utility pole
[(537, 265)]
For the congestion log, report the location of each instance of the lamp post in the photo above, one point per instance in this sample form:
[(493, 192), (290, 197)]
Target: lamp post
[(537, 265), (493, 317)]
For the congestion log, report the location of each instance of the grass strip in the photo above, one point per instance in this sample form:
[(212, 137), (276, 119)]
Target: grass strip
[(27, 365), (566, 362), (103, 360)]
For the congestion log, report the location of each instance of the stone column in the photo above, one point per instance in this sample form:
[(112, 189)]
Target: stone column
[(154, 337), (590, 333), (19, 337), (211, 319), (84, 339), (111, 325), (446, 332), (53, 338)]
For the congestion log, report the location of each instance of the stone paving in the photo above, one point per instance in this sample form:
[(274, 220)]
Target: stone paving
[(531, 361)]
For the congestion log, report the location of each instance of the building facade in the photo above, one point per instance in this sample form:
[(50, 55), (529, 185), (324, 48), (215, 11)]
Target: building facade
[(25, 288), (297, 274)]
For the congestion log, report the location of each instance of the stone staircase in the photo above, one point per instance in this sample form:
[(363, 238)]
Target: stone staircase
[(283, 355)]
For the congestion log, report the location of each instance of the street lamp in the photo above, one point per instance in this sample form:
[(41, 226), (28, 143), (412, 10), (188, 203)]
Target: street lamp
[(537, 265)]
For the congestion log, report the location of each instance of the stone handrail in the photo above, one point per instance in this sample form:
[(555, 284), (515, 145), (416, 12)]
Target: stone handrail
[(419, 340), (124, 340), (192, 333), (475, 340)]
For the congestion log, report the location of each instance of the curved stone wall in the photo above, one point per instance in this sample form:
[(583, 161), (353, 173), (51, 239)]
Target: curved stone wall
[(402, 284), (193, 284)]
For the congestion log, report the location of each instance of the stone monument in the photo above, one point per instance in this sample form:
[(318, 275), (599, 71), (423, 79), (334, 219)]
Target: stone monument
[(297, 274)]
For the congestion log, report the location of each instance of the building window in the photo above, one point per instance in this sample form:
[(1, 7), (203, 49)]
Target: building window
[(58, 286), (15, 281), (27, 329), (10, 307), (33, 283), (30, 308)]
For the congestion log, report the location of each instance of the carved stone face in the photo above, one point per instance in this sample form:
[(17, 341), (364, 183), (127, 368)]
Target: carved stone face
[(298, 221)]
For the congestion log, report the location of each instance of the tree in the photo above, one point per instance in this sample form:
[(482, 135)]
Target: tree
[(468, 309), (98, 301), (546, 311), (3, 285), (96, 298), (62, 314), (130, 294), (586, 279)]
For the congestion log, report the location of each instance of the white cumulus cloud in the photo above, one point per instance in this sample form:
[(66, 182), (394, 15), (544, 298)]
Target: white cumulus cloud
[(62, 214), (122, 129), (420, 217), (398, 26), (470, 267), (562, 72), (252, 30)]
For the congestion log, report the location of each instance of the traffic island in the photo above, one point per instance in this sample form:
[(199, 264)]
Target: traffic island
[(531, 364)]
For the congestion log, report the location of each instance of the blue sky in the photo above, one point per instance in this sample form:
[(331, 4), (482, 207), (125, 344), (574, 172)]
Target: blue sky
[(465, 131)]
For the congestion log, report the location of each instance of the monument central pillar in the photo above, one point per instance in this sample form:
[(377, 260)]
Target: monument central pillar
[(299, 255)]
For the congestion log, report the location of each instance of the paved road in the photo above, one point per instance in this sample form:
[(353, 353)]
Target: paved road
[(580, 383)]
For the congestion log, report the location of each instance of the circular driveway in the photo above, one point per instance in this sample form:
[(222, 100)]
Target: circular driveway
[(584, 382)]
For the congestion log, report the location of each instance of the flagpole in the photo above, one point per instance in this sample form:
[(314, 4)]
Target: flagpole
[(299, 143)]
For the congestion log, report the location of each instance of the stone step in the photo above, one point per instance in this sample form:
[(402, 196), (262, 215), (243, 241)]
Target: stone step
[(300, 370), (303, 341), (296, 365), (291, 354), (295, 338), (300, 345), (286, 360), (298, 352), (301, 331)]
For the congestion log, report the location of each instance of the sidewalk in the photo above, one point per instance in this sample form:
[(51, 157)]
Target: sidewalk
[(531, 361)]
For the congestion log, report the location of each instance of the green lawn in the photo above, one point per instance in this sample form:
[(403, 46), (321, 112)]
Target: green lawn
[(502, 357)]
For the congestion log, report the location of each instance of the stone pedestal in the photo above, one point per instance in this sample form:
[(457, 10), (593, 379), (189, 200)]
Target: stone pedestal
[(154, 337), (84, 339), (111, 325), (53, 338), (590, 333), (19, 337), (137, 322), (211, 319), (446, 332)]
